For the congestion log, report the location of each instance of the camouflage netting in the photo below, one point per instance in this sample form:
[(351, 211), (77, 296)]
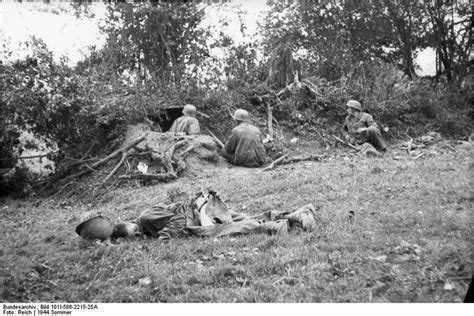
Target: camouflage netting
[(198, 152)]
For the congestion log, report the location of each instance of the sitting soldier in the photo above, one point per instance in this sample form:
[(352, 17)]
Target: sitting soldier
[(206, 215), (245, 145), (186, 124), (359, 127)]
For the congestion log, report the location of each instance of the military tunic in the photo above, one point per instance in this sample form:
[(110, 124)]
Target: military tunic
[(245, 146), (185, 124), (372, 134)]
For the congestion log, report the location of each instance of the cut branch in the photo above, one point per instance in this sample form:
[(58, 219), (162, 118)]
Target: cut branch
[(302, 158), (150, 176), (124, 156), (321, 136), (26, 157), (275, 163), (270, 119), (109, 157)]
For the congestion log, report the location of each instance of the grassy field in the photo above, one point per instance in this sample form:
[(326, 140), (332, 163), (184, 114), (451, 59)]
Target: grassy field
[(409, 238)]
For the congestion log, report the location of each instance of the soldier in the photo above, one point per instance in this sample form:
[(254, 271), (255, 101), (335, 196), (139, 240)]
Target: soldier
[(206, 215), (186, 124), (245, 145), (359, 127)]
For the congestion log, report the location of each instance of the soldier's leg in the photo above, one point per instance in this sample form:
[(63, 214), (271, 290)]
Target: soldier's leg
[(375, 138)]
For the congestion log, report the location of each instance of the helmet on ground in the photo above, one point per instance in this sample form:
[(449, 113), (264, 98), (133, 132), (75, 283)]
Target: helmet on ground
[(354, 104), (98, 227), (241, 115), (189, 109)]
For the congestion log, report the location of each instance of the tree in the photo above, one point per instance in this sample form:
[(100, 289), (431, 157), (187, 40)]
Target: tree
[(152, 41), (451, 35), (336, 35)]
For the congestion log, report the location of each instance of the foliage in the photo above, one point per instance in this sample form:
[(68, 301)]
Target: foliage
[(152, 41), (451, 35), (158, 55), (48, 99), (332, 37)]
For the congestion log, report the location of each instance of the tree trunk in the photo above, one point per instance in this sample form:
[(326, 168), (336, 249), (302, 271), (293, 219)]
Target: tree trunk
[(281, 72)]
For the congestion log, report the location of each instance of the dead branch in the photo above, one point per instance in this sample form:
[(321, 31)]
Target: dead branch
[(311, 87), (275, 163), (62, 188), (319, 134), (150, 176), (112, 155), (170, 151), (282, 91), (270, 119), (26, 157), (88, 151), (124, 156), (203, 114), (167, 163), (303, 158), (186, 151), (230, 113), (127, 165), (179, 161), (418, 156), (90, 168), (408, 157)]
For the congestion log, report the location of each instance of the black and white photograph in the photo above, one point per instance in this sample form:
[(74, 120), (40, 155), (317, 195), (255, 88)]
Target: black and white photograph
[(236, 151)]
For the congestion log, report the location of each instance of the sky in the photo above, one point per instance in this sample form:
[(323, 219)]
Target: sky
[(63, 34)]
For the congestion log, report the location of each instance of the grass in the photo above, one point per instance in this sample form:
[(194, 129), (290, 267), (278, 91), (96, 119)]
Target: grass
[(410, 239)]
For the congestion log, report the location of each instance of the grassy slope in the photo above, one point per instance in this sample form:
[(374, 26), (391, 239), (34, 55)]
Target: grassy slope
[(411, 232)]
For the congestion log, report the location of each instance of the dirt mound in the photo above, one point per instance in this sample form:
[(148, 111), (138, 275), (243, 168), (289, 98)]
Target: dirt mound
[(199, 152)]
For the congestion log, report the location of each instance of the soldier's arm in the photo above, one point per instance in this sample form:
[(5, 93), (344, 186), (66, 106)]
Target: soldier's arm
[(231, 144), (193, 128), (369, 121)]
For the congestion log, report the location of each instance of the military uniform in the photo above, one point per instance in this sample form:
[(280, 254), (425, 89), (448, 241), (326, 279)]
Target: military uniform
[(179, 219), (245, 146), (164, 221), (372, 135), (185, 124)]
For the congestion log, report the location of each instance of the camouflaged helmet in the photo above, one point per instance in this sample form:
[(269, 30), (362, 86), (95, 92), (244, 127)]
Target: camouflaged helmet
[(354, 104), (189, 109), (241, 115)]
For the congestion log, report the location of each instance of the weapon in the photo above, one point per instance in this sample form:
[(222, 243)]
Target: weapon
[(218, 141), (345, 143)]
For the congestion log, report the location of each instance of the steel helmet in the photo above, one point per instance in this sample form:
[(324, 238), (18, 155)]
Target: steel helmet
[(189, 109), (241, 115), (98, 227), (354, 104)]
